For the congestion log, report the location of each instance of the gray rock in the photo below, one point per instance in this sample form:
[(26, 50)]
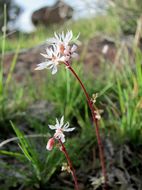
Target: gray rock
[(58, 13)]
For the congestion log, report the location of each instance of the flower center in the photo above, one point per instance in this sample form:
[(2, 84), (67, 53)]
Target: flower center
[(59, 130), (62, 48), (54, 58)]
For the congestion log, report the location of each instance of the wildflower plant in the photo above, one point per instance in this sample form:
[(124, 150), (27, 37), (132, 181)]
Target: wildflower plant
[(59, 136), (61, 49), (59, 128), (60, 52)]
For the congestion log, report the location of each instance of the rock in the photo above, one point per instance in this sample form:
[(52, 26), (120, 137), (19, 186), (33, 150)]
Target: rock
[(58, 13), (101, 52), (98, 49), (26, 62)]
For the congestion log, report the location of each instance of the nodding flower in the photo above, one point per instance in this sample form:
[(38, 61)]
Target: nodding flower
[(50, 143), (61, 51), (53, 59), (59, 128)]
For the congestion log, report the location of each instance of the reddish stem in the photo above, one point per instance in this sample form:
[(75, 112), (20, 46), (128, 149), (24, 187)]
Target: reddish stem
[(70, 165), (100, 145)]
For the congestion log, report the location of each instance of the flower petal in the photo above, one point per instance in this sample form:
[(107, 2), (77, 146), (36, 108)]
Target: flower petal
[(51, 40), (62, 121), (53, 127), (49, 52), (56, 36), (75, 39), (68, 36), (43, 65), (62, 138), (62, 59), (44, 55), (69, 129), (54, 69), (66, 126), (74, 55), (57, 124), (74, 47)]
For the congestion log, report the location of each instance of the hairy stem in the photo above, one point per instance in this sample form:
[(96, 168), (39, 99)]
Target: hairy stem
[(100, 145), (70, 165)]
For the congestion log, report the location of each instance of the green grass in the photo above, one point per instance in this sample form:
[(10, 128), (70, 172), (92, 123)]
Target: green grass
[(124, 101)]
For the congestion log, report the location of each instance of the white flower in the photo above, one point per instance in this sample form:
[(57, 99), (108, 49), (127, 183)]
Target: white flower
[(60, 127), (53, 57), (63, 41), (69, 52), (61, 51)]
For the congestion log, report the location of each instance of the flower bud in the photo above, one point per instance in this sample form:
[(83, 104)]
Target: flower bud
[(50, 144)]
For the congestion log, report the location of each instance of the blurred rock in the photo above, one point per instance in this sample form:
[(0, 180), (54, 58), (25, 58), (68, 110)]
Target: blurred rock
[(58, 13), (98, 49), (26, 61)]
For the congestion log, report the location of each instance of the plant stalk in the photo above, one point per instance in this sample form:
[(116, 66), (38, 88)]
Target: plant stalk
[(70, 165), (100, 145)]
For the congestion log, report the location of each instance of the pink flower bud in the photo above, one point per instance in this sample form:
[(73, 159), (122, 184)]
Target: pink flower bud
[(50, 144)]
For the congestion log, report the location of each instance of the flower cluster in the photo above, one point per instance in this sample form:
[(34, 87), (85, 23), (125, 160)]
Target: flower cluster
[(60, 51), (59, 128)]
